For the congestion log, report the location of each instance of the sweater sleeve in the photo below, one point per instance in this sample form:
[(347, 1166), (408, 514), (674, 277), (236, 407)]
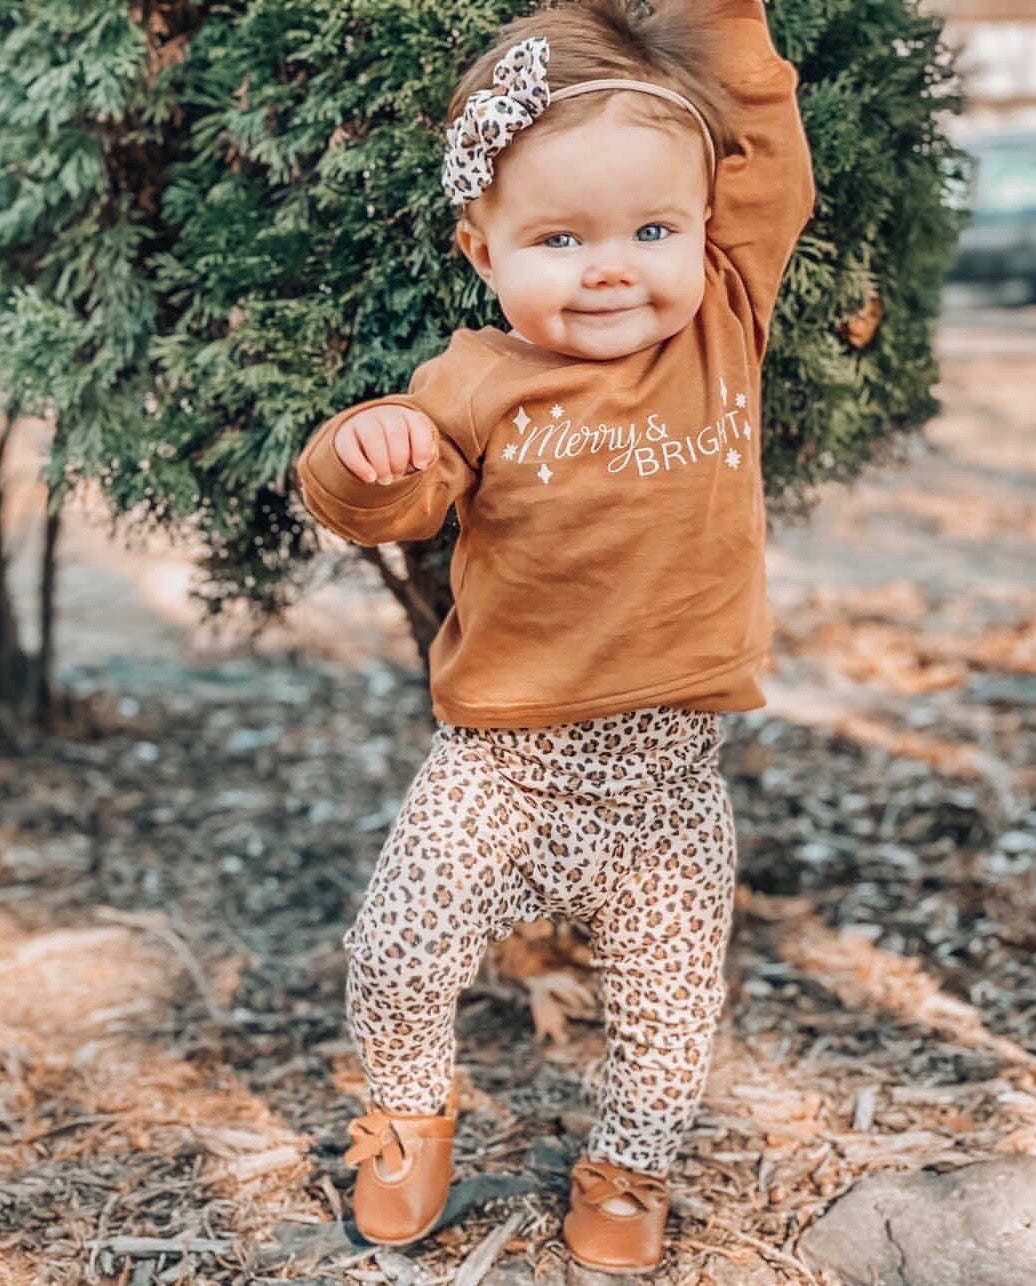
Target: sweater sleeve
[(414, 507), (764, 191)]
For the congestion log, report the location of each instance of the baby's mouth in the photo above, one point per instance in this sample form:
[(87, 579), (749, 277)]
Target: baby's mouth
[(603, 312)]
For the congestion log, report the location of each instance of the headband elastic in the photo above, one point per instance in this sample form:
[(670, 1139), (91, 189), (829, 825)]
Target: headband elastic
[(646, 87)]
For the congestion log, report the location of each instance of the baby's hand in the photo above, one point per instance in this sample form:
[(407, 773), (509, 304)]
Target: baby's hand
[(381, 443)]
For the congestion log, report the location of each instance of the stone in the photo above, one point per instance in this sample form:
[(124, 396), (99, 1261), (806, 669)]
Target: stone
[(974, 1226)]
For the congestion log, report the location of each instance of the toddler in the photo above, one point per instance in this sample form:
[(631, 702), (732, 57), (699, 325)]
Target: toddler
[(630, 184)]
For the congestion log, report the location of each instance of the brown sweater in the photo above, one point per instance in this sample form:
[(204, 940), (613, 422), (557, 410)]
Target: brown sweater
[(612, 523)]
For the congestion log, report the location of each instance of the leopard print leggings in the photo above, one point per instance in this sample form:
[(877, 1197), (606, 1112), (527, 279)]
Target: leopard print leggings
[(622, 822)]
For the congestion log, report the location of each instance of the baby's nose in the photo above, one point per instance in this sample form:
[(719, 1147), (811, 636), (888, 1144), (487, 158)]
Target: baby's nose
[(609, 272)]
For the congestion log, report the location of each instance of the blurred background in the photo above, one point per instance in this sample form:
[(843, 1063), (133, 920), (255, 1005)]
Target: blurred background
[(998, 249)]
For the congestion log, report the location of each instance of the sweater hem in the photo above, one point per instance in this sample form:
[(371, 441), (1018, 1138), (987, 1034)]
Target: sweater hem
[(542, 715)]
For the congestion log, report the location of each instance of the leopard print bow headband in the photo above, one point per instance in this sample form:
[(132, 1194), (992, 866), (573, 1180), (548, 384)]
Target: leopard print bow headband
[(491, 119)]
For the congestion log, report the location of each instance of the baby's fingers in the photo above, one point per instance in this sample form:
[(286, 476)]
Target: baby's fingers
[(382, 438), (423, 448), (349, 450), (403, 425), (379, 444)]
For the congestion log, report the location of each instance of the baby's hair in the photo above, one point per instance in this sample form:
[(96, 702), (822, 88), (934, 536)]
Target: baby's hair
[(622, 38)]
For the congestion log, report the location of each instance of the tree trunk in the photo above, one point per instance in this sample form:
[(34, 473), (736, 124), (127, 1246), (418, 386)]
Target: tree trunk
[(48, 581), (15, 665)]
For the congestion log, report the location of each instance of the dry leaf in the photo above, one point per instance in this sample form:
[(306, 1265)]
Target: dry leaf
[(862, 326), (554, 998)]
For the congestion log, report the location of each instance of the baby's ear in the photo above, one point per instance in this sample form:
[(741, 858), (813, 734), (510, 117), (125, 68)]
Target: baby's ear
[(475, 249)]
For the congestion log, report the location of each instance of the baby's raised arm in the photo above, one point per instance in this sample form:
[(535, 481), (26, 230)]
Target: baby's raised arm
[(764, 191)]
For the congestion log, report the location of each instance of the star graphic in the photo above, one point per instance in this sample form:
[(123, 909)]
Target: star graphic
[(510, 451), (732, 458), (746, 429), (557, 411), (521, 419), (544, 473), (741, 401)]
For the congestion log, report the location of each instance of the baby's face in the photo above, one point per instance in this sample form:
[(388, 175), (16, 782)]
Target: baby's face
[(593, 237)]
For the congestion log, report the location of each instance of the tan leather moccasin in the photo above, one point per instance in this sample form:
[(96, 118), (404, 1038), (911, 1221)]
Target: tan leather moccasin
[(614, 1242), (405, 1165)]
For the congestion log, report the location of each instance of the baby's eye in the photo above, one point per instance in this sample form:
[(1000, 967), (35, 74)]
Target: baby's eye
[(661, 228), (553, 237)]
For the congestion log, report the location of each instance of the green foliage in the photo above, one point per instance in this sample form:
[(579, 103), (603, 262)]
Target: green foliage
[(220, 223), (875, 86), (83, 116)]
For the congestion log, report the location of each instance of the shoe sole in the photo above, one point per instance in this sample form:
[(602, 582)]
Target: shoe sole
[(613, 1268)]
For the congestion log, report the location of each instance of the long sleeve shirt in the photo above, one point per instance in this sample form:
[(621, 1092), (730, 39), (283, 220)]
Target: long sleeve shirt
[(611, 513)]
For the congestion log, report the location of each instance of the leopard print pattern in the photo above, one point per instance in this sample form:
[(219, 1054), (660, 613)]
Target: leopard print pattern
[(490, 119), (622, 822)]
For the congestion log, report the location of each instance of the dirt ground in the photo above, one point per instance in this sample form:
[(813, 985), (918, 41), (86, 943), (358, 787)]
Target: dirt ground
[(177, 868)]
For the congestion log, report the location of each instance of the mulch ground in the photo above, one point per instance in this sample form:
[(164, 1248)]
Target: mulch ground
[(179, 860)]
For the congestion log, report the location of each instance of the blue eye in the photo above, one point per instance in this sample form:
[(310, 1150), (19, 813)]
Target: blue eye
[(660, 227)]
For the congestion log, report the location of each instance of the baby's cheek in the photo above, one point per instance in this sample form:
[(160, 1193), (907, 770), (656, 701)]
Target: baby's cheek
[(537, 294)]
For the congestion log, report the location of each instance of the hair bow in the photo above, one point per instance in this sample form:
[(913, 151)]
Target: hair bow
[(490, 119)]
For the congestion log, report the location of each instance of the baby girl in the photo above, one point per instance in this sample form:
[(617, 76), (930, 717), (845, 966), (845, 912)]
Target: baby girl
[(630, 184)]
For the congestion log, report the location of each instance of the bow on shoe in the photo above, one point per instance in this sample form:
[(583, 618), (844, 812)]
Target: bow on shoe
[(599, 1185), (375, 1135)]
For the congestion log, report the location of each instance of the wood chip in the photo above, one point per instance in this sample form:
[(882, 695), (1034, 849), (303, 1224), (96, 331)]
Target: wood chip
[(863, 1108), (485, 1254), (152, 1247)]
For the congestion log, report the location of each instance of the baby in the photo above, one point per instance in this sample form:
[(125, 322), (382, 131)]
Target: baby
[(631, 185)]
